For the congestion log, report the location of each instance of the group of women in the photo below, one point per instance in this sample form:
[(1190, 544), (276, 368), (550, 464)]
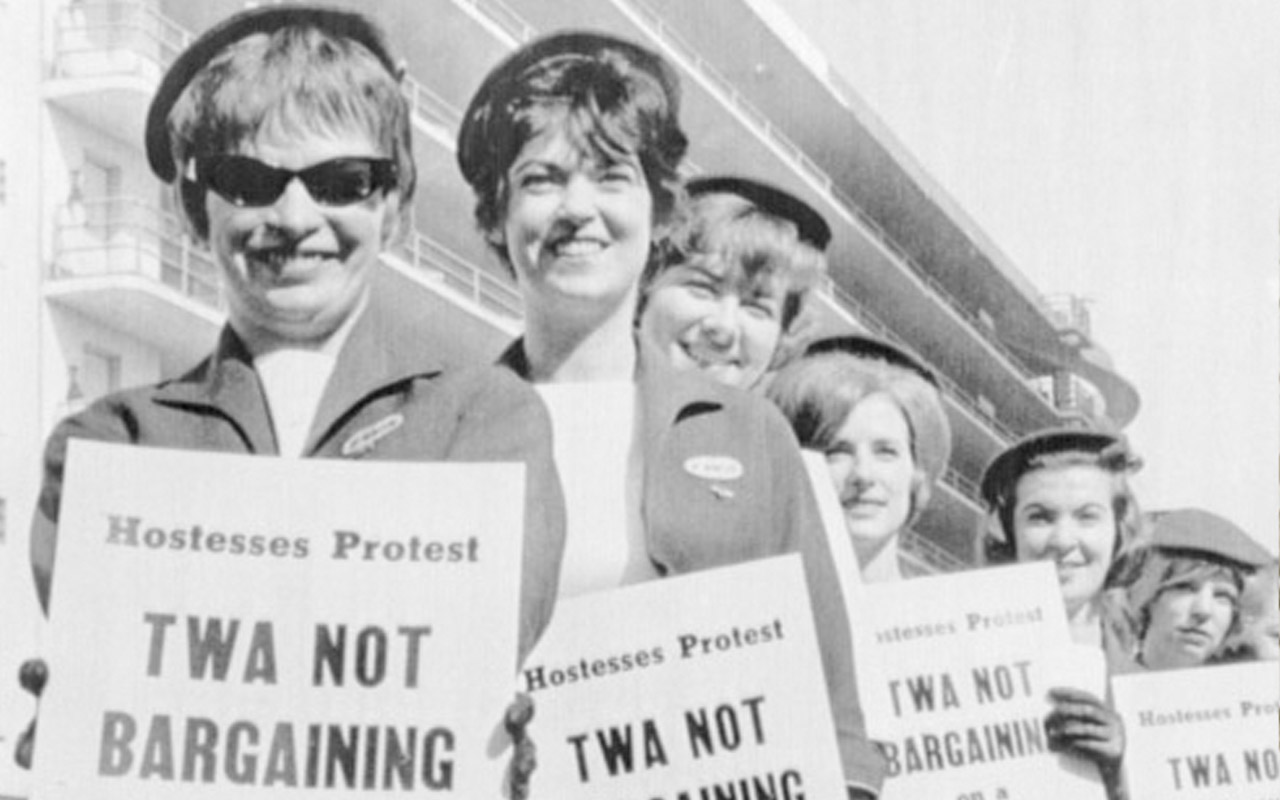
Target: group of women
[(665, 327)]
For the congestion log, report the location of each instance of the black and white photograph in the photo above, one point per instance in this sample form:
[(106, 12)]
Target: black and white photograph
[(660, 399)]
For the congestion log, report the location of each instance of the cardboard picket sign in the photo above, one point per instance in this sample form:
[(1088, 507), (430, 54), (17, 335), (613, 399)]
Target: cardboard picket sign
[(680, 688), (237, 626), (953, 674), (1211, 733)]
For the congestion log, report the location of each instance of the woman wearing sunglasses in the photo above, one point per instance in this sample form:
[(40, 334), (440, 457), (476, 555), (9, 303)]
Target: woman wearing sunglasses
[(572, 147), (285, 135)]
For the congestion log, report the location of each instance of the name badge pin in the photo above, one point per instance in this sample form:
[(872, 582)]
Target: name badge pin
[(715, 468), (363, 441)]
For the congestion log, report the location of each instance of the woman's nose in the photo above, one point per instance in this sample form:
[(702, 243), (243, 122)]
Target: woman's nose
[(721, 322), (577, 199), (1202, 601), (296, 211), (1062, 535)]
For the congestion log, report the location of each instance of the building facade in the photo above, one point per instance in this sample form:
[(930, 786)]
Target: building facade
[(100, 288)]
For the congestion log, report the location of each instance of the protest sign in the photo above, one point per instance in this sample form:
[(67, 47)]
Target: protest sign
[(953, 674), (240, 626), (705, 685), (1210, 734)]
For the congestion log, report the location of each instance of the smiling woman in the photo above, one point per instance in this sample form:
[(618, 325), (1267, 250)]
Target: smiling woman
[(572, 147), (728, 298), (873, 410), (1063, 496)]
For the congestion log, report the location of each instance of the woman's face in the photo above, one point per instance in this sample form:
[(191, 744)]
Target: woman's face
[(1189, 620), (703, 315), (577, 229), (873, 470), (1065, 515), (296, 268)]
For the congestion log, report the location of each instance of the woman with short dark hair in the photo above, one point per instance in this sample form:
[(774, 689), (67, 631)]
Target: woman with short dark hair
[(572, 146)]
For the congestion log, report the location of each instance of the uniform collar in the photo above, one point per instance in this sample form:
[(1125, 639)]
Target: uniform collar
[(380, 352), (666, 395)]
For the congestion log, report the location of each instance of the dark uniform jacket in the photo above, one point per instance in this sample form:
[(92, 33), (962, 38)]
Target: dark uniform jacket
[(699, 512), (386, 400)]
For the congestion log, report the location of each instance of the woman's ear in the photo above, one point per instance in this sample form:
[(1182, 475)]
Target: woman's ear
[(920, 494)]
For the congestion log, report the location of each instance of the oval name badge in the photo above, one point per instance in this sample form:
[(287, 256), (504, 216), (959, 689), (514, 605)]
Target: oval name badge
[(715, 468)]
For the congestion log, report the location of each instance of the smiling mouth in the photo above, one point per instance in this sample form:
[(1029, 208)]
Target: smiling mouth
[(284, 262), (577, 247), (862, 506), (708, 359)]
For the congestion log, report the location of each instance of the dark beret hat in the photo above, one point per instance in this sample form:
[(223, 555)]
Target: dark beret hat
[(1016, 460), (267, 19), (1204, 532), (874, 348), (473, 134), (810, 225)]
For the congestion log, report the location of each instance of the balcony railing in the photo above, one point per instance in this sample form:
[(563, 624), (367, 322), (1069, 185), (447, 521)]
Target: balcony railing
[(940, 559), (503, 16), (805, 165), (114, 38), (440, 263), (127, 236), (429, 105), (864, 315)]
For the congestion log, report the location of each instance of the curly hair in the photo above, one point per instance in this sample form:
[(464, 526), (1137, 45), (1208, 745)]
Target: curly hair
[(999, 545), (611, 99), (753, 246)]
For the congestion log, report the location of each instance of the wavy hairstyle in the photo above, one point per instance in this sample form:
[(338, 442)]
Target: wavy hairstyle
[(818, 392), (610, 97)]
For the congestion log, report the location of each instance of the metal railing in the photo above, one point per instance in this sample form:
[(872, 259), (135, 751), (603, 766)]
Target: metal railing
[(818, 176), (439, 262), (930, 553), (429, 105), (859, 310), (99, 30), (503, 16), (127, 236)]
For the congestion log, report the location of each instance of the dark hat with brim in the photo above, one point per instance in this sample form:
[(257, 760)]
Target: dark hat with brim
[(810, 225), (1194, 529), (268, 19), (876, 349), (1006, 468), (473, 133)]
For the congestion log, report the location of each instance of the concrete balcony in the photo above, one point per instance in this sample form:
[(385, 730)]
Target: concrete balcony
[(107, 60), (125, 264)]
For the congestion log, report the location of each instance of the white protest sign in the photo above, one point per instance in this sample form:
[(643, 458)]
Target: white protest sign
[(705, 685), (954, 673), (1210, 734), (833, 523), (236, 626)]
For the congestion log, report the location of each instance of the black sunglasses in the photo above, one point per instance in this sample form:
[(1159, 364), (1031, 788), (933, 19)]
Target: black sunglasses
[(247, 181)]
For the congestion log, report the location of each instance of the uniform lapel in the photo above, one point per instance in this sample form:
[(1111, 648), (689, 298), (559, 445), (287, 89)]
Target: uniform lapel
[(227, 385), (380, 352)]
